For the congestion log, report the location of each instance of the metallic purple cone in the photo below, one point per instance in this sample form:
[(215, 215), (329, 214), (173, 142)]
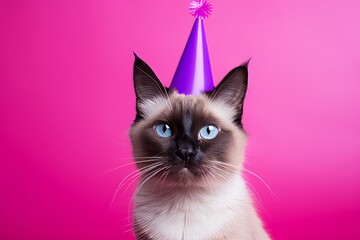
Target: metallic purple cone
[(193, 74)]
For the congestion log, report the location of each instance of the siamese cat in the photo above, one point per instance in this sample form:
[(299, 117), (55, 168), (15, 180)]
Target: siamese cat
[(189, 150)]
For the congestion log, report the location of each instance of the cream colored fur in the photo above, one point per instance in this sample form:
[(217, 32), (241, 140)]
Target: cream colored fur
[(226, 213)]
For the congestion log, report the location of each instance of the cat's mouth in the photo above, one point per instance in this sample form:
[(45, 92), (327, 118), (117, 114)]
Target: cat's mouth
[(185, 171)]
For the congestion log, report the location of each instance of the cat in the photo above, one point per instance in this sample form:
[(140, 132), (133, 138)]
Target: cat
[(189, 150)]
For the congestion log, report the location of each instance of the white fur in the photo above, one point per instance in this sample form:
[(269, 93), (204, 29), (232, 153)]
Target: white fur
[(196, 215)]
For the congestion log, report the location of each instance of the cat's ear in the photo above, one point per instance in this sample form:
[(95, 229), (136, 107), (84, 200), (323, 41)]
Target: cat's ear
[(146, 84), (232, 89)]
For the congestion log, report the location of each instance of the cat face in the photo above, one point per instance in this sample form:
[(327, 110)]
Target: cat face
[(188, 140)]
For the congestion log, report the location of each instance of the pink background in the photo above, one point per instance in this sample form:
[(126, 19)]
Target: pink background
[(67, 104)]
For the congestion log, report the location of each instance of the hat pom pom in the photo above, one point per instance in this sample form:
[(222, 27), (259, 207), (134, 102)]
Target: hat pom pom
[(200, 9)]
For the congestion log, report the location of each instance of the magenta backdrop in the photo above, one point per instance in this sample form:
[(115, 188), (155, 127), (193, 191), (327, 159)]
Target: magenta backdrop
[(67, 103)]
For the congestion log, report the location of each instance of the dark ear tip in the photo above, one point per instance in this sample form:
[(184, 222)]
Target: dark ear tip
[(136, 56), (246, 63)]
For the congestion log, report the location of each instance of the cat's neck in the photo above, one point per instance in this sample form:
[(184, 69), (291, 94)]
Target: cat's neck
[(203, 213)]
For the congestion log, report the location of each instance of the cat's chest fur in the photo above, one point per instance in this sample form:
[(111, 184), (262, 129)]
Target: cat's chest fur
[(223, 214)]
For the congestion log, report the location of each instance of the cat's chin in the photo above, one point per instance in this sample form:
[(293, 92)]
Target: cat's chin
[(184, 173)]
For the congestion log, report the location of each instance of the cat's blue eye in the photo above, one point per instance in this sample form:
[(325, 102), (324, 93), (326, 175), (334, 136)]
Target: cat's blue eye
[(163, 130), (208, 132)]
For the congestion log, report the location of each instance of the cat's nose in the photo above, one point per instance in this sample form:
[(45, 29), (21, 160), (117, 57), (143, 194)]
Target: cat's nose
[(186, 153)]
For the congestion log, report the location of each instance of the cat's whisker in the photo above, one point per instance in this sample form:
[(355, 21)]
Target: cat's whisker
[(257, 196), (147, 178), (219, 176), (234, 167), (160, 177), (208, 179), (127, 227), (130, 229), (167, 173), (131, 176), (229, 168), (214, 176), (142, 182), (227, 164), (128, 180), (131, 180), (170, 189), (218, 171), (263, 181), (141, 172), (125, 165)]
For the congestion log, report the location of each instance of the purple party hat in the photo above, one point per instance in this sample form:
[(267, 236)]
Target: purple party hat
[(193, 74)]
